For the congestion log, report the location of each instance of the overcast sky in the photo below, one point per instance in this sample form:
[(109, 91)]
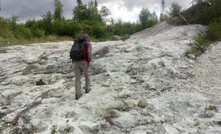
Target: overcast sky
[(127, 10)]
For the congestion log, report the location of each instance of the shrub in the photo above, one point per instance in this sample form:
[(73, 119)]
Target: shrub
[(201, 41), (66, 28), (98, 32), (38, 33), (27, 33), (190, 51), (213, 31)]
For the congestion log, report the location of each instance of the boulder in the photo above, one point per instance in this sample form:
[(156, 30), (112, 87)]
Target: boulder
[(115, 38), (125, 37)]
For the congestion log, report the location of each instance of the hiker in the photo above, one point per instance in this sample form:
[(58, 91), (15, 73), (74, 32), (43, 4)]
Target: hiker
[(82, 64)]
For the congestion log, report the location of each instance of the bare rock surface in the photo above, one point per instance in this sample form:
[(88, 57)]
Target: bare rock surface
[(37, 86)]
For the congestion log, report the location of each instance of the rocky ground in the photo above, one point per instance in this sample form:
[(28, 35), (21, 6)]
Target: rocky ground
[(139, 86)]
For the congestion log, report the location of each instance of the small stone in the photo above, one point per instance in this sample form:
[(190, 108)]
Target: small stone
[(191, 56), (107, 115), (201, 124), (9, 117), (128, 130), (130, 104), (4, 107), (133, 81), (142, 102), (114, 113)]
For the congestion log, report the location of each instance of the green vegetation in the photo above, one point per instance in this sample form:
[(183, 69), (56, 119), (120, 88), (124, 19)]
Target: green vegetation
[(163, 16), (175, 9), (147, 19), (212, 107), (88, 19), (0, 6), (54, 27), (210, 16)]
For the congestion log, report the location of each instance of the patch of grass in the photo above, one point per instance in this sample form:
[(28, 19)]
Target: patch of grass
[(15, 41), (190, 51), (212, 107)]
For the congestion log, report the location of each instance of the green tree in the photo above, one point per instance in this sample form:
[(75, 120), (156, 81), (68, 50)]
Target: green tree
[(0, 6), (77, 14), (91, 12), (153, 19), (47, 22), (81, 5), (86, 13), (207, 14), (96, 3), (163, 6), (14, 19), (58, 10), (144, 16), (163, 17), (79, 2), (175, 9), (104, 12)]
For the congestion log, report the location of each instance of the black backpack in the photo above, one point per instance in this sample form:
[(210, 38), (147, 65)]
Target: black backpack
[(77, 50)]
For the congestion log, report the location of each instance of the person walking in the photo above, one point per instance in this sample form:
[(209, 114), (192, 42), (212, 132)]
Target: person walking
[(82, 66)]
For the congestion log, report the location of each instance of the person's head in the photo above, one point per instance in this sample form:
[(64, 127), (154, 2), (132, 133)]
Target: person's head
[(86, 36)]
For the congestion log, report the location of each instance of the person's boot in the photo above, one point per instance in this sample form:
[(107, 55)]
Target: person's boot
[(87, 90), (78, 96)]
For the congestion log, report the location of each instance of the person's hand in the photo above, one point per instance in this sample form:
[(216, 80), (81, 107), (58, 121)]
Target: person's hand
[(90, 64)]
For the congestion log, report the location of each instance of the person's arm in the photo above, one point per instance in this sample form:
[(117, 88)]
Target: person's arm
[(89, 53)]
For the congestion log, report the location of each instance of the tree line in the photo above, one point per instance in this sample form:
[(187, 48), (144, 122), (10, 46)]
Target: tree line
[(87, 18)]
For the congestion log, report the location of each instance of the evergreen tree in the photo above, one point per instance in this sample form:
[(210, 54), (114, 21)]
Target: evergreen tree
[(79, 2), (175, 9), (163, 6), (0, 6), (14, 19), (47, 20), (77, 14), (58, 10), (163, 17), (96, 4), (91, 11), (144, 16), (104, 12)]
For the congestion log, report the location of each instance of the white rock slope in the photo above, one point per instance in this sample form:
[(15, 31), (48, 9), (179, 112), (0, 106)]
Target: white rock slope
[(178, 94)]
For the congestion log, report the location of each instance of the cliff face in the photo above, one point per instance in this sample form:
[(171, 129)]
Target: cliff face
[(143, 85)]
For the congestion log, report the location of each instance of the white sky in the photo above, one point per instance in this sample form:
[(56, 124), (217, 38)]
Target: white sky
[(126, 10)]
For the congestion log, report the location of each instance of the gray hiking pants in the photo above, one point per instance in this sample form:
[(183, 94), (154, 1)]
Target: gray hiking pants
[(80, 67)]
